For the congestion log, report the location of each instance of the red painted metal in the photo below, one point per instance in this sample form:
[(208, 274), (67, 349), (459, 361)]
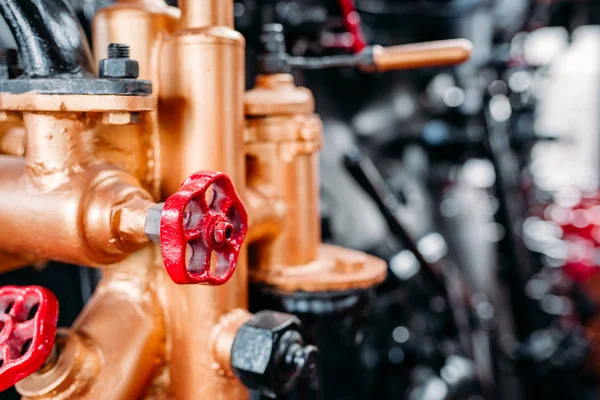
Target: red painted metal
[(194, 228), (26, 340), (353, 24)]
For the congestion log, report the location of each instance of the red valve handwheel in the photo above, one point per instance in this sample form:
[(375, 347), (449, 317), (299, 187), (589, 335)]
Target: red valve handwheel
[(193, 227), (28, 318)]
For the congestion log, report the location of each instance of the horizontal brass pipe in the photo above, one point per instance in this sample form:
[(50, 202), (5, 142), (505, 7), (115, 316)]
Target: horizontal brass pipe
[(72, 223), (422, 55), (12, 141), (266, 215)]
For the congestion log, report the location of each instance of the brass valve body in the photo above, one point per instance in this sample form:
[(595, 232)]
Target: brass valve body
[(58, 200), (283, 137)]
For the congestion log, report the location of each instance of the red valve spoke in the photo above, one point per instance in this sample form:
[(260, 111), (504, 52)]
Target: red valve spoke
[(224, 258), (191, 224), (18, 308), (199, 260), (11, 352), (221, 202), (24, 330), (5, 353), (192, 234), (25, 343)]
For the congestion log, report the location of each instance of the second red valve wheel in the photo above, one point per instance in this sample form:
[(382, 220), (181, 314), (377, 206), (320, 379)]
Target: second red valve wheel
[(28, 318), (202, 228)]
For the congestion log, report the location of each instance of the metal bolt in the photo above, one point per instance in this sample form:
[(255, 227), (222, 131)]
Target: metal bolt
[(118, 50), (118, 65), (303, 359), (120, 118)]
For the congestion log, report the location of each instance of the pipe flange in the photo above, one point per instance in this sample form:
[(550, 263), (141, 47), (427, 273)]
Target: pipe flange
[(81, 86), (75, 103), (335, 269)]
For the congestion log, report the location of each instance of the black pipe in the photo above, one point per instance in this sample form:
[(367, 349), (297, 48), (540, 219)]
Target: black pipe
[(50, 40)]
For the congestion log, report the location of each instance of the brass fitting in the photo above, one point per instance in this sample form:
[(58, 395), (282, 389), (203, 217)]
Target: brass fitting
[(58, 202), (283, 137)]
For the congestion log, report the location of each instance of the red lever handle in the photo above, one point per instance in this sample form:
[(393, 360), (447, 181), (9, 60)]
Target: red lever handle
[(194, 227), (28, 318)]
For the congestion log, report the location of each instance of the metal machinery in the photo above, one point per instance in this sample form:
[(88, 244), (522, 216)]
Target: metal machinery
[(95, 150)]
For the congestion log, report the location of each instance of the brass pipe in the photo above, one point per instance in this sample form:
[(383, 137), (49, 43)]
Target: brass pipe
[(57, 203), (283, 137), (204, 13), (223, 336), (422, 55), (143, 25), (71, 223), (201, 123), (266, 215), (12, 141), (296, 185), (120, 330), (55, 146), (10, 262)]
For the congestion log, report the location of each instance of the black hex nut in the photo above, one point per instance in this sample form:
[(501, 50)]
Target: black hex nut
[(118, 65), (268, 354)]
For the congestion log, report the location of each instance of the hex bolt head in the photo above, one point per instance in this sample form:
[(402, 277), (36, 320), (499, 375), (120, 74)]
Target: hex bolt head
[(120, 118), (268, 354), (118, 65)]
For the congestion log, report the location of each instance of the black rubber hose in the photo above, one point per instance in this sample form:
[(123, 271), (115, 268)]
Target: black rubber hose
[(50, 40)]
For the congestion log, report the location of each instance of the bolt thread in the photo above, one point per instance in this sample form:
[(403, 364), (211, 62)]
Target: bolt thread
[(118, 50)]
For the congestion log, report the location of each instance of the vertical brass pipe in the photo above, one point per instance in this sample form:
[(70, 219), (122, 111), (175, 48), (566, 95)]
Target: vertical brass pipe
[(143, 25), (201, 122), (283, 139), (296, 183), (203, 13), (56, 143)]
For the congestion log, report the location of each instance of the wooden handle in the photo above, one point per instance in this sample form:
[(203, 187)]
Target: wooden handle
[(422, 55)]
